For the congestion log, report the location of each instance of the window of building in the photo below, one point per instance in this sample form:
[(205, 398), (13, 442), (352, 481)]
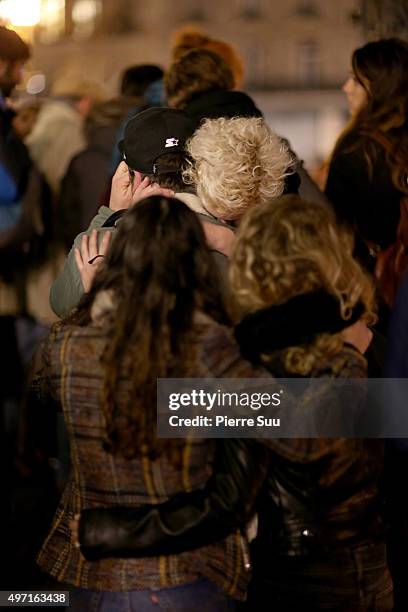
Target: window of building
[(85, 15), (58, 18), (196, 10), (255, 61), (308, 63), (307, 8), (52, 22), (250, 8)]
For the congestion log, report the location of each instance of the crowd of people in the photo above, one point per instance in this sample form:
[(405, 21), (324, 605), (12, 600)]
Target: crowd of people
[(197, 246)]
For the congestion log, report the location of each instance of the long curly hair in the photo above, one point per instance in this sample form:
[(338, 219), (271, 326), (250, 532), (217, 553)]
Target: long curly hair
[(237, 163), (381, 68), (291, 247), (158, 273)]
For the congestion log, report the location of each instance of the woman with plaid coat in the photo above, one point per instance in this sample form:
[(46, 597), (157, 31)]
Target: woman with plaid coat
[(153, 311)]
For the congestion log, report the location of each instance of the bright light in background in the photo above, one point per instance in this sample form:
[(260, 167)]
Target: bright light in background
[(84, 16), (49, 15), (36, 84), (50, 9), (85, 10), (52, 20), (21, 12)]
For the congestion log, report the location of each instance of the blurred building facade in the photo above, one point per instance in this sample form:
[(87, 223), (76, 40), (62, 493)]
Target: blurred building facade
[(384, 18), (296, 53), (297, 44)]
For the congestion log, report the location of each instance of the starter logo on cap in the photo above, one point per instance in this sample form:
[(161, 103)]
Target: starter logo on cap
[(171, 142)]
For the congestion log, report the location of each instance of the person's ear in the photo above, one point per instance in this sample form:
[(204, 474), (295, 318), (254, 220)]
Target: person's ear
[(4, 64), (84, 105)]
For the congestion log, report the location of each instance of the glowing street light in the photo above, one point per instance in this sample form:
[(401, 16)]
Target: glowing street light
[(21, 13)]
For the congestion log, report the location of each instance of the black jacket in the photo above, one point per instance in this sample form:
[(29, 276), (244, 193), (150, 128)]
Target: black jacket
[(83, 184), (366, 200), (221, 103)]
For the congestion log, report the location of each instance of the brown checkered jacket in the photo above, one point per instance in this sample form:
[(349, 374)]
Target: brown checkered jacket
[(73, 376)]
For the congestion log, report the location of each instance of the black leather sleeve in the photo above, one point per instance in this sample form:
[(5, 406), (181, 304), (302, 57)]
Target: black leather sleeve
[(188, 520)]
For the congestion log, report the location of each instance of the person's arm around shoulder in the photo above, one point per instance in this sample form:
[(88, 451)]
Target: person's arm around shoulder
[(202, 517), (67, 289), (127, 189), (188, 520)]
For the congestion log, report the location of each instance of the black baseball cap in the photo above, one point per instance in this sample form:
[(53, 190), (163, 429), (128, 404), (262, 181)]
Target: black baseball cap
[(154, 132)]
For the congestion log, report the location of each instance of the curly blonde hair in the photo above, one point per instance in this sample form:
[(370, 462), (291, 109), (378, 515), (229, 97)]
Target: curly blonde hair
[(237, 163), (291, 247)]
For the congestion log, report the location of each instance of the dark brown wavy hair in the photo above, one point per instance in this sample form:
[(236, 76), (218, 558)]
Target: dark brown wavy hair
[(191, 37), (381, 67), (159, 272), (196, 72)]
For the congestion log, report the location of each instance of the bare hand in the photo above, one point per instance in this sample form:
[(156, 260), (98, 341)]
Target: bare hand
[(146, 189), (359, 335), (90, 256), (127, 191), (123, 187)]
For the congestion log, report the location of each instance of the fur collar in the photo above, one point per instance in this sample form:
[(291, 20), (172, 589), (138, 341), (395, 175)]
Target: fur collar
[(295, 323)]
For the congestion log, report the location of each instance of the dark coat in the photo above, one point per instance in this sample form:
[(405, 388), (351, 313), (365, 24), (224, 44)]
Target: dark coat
[(83, 185), (366, 200), (221, 103), (71, 357), (89, 172)]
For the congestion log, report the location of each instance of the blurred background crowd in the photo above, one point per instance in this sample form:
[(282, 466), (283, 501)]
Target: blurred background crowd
[(73, 73)]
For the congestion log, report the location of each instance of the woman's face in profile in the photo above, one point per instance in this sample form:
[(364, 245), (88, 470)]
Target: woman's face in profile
[(356, 94)]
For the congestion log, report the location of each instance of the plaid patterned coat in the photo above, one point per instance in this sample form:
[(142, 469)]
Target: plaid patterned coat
[(73, 376)]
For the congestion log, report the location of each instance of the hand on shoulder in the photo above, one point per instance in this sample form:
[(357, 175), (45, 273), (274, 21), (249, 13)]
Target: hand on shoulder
[(359, 335)]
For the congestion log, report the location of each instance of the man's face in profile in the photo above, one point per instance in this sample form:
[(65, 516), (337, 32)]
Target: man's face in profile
[(11, 74)]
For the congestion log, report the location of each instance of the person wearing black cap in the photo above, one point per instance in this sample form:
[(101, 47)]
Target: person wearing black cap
[(152, 139), (153, 150)]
